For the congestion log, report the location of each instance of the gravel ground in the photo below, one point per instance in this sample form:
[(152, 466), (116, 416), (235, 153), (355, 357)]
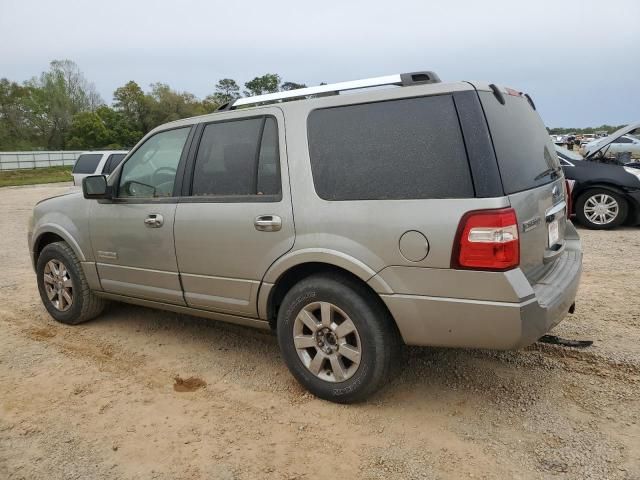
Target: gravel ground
[(139, 394)]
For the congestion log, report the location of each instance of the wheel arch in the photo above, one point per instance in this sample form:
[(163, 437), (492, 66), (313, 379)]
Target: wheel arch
[(50, 234), (582, 188), (284, 274)]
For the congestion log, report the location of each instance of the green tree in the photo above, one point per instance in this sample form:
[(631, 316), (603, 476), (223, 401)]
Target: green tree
[(15, 132), (167, 105), (131, 102), (54, 98), (292, 86), (267, 83), (227, 90)]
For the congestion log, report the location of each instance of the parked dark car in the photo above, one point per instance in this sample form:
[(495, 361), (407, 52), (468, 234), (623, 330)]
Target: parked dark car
[(605, 194)]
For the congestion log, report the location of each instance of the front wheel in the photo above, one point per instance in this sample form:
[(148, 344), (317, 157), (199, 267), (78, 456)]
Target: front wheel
[(63, 287), (600, 209), (337, 338)]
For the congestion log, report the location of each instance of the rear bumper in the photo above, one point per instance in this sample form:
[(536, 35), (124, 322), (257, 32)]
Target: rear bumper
[(532, 311)]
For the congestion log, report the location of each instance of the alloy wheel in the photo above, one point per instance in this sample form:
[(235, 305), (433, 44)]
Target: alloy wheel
[(601, 209), (327, 342), (58, 285)]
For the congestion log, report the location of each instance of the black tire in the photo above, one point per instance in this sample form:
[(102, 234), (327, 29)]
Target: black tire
[(623, 208), (85, 305), (378, 337)]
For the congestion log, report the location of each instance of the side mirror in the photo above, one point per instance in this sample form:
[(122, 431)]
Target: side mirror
[(95, 187)]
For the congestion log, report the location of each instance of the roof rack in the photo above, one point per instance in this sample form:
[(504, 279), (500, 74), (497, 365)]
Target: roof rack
[(400, 79)]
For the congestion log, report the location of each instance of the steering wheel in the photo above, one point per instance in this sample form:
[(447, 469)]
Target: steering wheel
[(170, 170)]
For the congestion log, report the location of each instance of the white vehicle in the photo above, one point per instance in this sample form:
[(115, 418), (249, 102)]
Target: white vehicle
[(96, 163), (627, 139), (588, 138)]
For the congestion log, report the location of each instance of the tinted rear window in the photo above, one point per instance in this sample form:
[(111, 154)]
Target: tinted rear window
[(400, 149), (87, 163), (112, 162), (523, 147)]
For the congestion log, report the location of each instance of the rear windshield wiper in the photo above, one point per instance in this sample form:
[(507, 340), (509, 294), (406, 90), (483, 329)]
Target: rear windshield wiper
[(553, 172)]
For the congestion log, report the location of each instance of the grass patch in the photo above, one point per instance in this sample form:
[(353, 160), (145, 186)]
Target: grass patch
[(34, 176)]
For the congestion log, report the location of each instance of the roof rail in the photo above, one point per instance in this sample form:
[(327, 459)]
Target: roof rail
[(400, 79)]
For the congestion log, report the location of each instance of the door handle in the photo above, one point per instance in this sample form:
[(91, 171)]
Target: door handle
[(154, 220), (268, 223)]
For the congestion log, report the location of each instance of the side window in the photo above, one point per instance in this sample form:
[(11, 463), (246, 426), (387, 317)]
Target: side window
[(87, 163), (112, 162), (623, 140), (269, 160), (238, 157), (398, 149), (151, 170)]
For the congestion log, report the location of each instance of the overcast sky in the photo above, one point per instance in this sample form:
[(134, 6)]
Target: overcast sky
[(579, 60)]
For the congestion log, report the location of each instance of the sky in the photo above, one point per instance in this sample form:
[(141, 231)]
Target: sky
[(579, 60)]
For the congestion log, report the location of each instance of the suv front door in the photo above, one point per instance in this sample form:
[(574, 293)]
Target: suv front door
[(132, 235), (236, 218)]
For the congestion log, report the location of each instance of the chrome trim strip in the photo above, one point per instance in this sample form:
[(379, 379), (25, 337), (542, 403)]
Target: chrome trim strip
[(558, 207)]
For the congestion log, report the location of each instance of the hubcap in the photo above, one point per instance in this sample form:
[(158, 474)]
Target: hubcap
[(327, 342), (601, 209), (58, 285)]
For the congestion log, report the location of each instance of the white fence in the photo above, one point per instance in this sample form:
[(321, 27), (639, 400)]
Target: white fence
[(37, 159)]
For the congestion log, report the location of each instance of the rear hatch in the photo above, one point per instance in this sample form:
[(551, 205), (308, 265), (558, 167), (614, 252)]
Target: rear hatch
[(531, 177)]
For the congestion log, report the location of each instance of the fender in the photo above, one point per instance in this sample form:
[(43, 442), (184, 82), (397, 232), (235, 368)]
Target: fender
[(317, 255), (61, 232)]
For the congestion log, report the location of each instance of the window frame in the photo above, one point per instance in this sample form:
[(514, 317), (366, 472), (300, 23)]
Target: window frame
[(187, 184), (114, 178)]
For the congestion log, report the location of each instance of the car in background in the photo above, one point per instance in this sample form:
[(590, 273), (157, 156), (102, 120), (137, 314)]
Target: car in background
[(624, 144), (604, 194), (624, 140), (588, 138), (96, 163)]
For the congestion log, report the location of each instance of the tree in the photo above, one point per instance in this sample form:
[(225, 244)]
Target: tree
[(103, 128), (15, 132), (130, 101), (227, 90), (167, 105), (55, 97), (268, 83), (292, 86)]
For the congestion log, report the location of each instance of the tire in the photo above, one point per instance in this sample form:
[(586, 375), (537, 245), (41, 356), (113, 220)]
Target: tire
[(374, 335), (84, 304), (601, 196)]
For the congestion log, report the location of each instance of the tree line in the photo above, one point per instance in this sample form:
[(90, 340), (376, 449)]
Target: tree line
[(61, 110), (582, 131)]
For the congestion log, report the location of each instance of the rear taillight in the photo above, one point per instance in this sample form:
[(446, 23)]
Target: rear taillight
[(568, 195), (487, 240)]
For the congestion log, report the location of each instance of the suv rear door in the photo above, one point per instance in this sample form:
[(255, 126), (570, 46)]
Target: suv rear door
[(531, 176), (235, 218)]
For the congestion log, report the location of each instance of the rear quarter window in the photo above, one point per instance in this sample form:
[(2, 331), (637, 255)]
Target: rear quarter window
[(87, 163), (399, 149)]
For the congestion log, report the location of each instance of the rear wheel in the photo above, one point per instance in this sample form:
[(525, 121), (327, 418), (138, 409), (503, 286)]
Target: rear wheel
[(337, 338), (63, 287), (601, 209)]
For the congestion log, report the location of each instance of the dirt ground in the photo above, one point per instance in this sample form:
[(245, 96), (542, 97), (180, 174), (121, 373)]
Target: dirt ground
[(142, 394)]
